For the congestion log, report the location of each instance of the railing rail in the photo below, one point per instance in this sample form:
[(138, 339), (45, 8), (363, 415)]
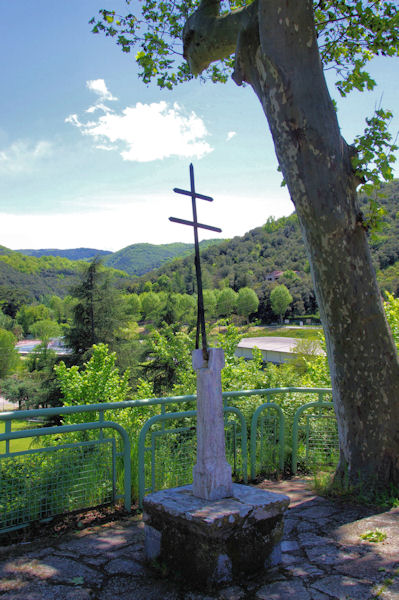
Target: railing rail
[(268, 406)]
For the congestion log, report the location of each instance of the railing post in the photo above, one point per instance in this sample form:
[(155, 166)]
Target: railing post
[(7, 429)]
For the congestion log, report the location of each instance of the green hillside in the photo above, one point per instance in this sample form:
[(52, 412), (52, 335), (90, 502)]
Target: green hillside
[(243, 261), (278, 246), (138, 259), (37, 276), (72, 254)]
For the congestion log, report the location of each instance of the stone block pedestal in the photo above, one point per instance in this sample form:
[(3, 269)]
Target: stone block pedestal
[(210, 543)]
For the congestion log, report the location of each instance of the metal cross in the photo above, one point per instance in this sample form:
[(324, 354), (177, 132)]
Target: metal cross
[(194, 223)]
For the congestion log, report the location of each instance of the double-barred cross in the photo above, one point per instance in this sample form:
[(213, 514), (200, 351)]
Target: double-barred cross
[(194, 223)]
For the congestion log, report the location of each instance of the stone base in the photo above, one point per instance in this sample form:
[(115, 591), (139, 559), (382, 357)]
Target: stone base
[(210, 543)]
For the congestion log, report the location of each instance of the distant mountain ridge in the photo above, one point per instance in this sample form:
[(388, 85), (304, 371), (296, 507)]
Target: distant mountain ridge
[(241, 261), (139, 259), (36, 276), (136, 259), (72, 254)]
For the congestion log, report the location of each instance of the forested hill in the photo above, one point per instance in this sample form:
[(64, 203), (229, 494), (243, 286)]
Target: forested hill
[(33, 277), (72, 254), (239, 262), (277, 245), (138, 259)]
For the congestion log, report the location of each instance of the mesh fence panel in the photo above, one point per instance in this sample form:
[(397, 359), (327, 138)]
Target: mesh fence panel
[(170, 458), (44, 483), (173, 457), (322, 445), (267, 443)]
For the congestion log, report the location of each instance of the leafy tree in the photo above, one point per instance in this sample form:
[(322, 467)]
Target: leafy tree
[(29, 314), (226, 302), (45, 329), (169, 311), (97, 314), (98, 381), (57, 306), (186, 308), (12, 298), (133, 306), (280, 299), (164, 283), (6, 322), (280, 49), (209, 303), (20, 388), (150, 304), (8, 355), (168, 366), (247, 302)]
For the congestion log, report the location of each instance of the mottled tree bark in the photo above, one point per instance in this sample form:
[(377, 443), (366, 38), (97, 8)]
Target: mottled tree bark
[(276, 53)]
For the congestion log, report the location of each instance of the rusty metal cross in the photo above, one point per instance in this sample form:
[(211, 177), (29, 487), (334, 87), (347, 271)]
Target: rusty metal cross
[(194, 223)]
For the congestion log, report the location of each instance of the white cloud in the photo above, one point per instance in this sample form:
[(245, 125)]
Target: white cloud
[(99, 87), (144, 132), (23, 156), (230, 135)]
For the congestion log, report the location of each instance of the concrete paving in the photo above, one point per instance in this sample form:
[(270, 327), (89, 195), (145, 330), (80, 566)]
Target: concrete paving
[(324, 558)]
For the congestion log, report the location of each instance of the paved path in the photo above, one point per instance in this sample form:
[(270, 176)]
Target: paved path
[(323, 558)]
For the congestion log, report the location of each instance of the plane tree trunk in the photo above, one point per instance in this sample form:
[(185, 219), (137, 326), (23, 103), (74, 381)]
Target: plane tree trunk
[(277, 54)]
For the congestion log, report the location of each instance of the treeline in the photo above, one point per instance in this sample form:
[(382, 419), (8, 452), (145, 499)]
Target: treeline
[(27, 279), (138, 259), (250, 260), (246, 262)]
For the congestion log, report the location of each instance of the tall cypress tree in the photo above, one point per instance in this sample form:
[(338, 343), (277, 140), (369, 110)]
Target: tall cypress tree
[(97, 315)]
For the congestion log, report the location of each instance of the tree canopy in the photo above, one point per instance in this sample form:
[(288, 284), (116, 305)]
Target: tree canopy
[(350, 33), (280, 49)]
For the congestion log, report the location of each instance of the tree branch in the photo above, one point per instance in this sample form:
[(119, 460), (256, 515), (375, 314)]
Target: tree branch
[(209, 37)]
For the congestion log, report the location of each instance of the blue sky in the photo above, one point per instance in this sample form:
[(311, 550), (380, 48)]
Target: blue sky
[(89, 155)]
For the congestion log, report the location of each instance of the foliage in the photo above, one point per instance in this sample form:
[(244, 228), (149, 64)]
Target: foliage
[(168, 366), (226, 302), (317, 373), (12, 297), (349, 33), (97, 314), (392, 313), (8, 355), (247, 302), (30, 314), (98, 381), (373, 536), (375, 150), (138, 259), (150, 304), (45, 329), (34, 386), (280, 299), (133, 306)]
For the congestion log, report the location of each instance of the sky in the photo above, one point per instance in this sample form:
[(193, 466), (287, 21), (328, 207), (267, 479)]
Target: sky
[(89, 155)]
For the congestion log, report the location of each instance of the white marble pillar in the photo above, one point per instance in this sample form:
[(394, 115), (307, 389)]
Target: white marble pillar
[(212, 473)]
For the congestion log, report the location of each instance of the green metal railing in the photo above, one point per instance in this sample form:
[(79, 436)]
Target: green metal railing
[(320, 442), (162, 453), (185, 477)]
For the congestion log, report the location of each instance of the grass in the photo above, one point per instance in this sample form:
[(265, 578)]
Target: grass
[(324, 485), (308, 333), (17, 445)]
